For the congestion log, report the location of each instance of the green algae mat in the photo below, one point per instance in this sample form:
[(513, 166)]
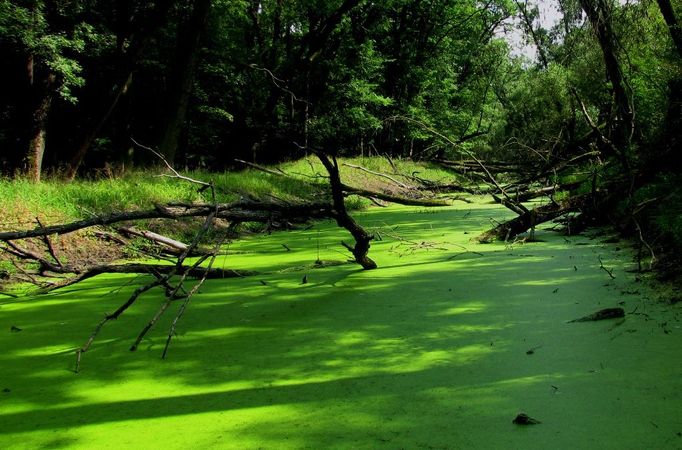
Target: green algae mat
[(441, 347)]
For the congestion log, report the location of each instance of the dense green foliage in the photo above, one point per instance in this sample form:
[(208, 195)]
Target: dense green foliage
[(266, 75), (206, 82)]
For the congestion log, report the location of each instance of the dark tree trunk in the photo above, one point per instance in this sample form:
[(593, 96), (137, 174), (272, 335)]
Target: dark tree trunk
[(314, 43), (343, 219), (40, 114), (531, 30), (673, 26), (140, 35), (599, 13), (77, 159), (183, 78)]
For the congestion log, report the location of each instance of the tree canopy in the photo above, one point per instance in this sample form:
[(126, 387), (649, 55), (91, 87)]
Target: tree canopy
[(206, 82)]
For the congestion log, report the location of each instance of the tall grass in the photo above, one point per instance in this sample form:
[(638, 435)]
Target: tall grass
[(53, 200)]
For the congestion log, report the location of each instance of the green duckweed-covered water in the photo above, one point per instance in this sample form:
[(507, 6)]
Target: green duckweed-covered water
[(439, 348)]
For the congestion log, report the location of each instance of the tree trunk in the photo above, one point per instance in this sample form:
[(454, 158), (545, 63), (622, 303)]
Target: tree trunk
[(599, 13), (343, 219), (83, 148), (530, 29), (181, 88), (312, 45), (673, 26), (140, 35), (41, 111)]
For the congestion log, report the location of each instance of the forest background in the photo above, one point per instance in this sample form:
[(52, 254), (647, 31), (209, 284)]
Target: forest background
[(208, 82)]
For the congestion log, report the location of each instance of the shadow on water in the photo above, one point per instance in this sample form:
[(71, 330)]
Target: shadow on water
[(439, 348)]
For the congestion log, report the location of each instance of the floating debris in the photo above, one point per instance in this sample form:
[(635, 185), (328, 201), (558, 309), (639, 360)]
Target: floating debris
[(525, 419), (602, 314)]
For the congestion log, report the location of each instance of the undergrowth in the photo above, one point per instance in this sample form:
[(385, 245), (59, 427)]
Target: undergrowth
[(54, 201), (660, 215)]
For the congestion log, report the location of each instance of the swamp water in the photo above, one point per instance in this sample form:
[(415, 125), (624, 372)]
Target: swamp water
[(441, 347)]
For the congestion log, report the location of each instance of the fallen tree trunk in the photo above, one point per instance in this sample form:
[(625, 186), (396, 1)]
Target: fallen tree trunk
[(532, 218), (372, 195), (529, 194), (244, 211), (393, 198), (475, 166)]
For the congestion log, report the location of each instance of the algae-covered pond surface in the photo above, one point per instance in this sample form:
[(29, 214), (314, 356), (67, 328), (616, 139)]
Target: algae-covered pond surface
[(441, 347)]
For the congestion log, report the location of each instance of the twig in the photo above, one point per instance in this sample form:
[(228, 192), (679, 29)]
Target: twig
[(609, 271), (183, 307), (176, 174), (190, 271), (160, 280), (645, 243), (136, 294), (277, 172), (275, 81), (171, 295), (48, 243), (45, 265), (208, 224)]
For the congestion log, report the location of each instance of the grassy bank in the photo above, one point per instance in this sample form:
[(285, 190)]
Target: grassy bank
[(54, 201)]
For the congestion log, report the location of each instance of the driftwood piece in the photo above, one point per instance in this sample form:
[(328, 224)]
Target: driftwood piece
[(167, 244), (525, 419), (602, 314)]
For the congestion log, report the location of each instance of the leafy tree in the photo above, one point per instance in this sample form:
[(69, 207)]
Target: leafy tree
[(46, 37)]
